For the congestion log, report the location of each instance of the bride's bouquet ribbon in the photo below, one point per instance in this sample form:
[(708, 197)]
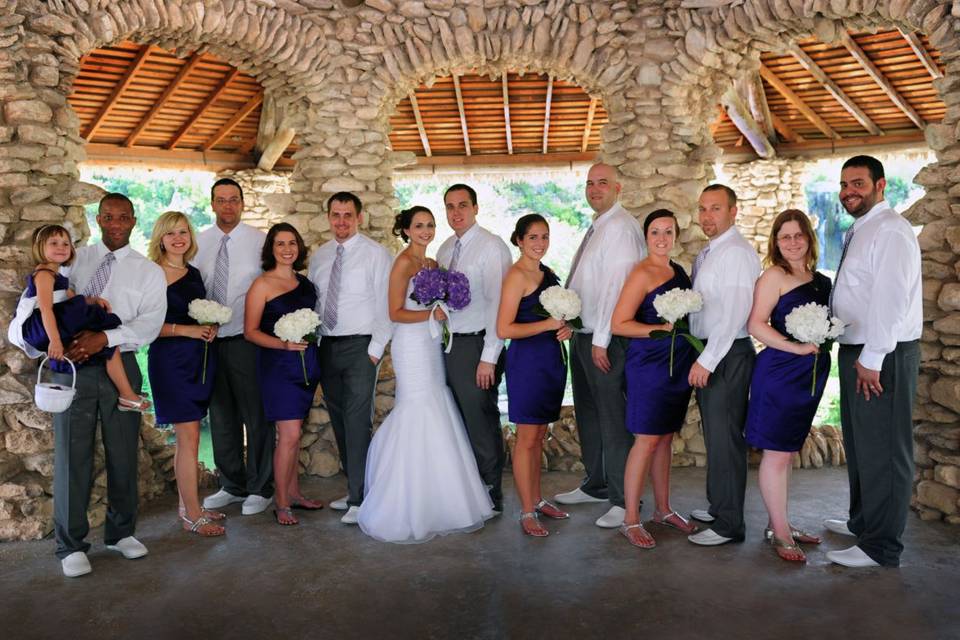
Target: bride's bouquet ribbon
[(440, 328), (448, 290)]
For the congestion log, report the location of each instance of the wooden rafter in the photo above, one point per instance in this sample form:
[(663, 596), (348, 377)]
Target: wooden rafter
[(795, 100), (274, 149), (185, 70), (741, 117), (587, 128), (546, 114), (506, 113), (463, 113), (880, 79), (838, 94), (715, 125), (111, 102), (202, 108), (784, 129), (423, 131), (751, 91), (236, 119), (925, 58)]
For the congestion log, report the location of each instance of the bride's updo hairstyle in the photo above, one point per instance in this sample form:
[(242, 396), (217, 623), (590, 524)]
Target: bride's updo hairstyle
[(661, 213), (404, 219), (523, 224)]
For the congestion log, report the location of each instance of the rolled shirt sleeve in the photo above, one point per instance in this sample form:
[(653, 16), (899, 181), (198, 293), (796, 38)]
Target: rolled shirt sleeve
[(494, 270), (382, 326), (144, 325)]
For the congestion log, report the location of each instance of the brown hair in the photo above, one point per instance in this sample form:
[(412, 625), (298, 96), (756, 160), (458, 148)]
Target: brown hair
[(731, 194), (268, 261), (164, 224), (774, 257), (44, 233)]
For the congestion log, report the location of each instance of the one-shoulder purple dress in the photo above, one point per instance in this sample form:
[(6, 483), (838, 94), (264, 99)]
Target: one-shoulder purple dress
[(181, 392), (656, 401), (281, 373), (535, 372), (781, 406)]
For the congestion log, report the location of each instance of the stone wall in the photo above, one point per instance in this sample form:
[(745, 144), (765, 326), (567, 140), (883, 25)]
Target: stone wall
[(336, 73), (764, 189), (266, 196)]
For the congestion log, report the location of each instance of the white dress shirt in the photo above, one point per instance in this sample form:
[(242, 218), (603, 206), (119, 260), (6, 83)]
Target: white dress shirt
[(616, 246), (244, 249), (725, 280), (136, 291), (878, 293), (362, 304), (484, 259)]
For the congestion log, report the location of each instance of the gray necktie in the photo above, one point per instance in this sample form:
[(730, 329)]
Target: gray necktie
[(579, 255), (100, 277), (333, 291), (221, 273), (847, 237), (698, 262), (456, 256)]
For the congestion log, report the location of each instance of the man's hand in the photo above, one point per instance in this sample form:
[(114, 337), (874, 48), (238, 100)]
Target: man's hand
[(699, 376), (600, 359), (86, 344), (374, 360), (485, 375), (868, 381)]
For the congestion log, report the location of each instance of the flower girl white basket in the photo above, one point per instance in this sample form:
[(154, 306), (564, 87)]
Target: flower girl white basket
[(53, 397)]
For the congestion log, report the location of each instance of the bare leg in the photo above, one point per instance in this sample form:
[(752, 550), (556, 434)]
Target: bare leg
[(119, 378), (774, 478), (185, 469), (660, 473), (284, 459), (526, 465), (635, 474)]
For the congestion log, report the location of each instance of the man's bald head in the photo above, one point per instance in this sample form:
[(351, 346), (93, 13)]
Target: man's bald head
[(603, 187)]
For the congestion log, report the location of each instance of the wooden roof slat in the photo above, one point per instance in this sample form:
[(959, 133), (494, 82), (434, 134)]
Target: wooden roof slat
[(795, 100), (233, 122), (203, 107), (420, 128), (185, 70), (914, 41), (111, 102)]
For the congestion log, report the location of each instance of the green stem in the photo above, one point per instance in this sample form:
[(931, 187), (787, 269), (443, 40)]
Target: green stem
[(813, 385), (303, 363), (203, 377), (563, 354), (673, 336)]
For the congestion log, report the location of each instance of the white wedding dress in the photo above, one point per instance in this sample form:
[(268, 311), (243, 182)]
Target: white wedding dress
[(422, 479)]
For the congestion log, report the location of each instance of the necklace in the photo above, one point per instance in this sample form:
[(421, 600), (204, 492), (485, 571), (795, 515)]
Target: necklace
[(173, 266)]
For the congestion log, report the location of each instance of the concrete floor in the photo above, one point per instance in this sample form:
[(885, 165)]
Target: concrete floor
[(326, 580)]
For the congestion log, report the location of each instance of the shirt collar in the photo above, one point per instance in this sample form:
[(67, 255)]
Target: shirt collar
[(349, 242), (469, 234), (601, 218), (877, 208), (119, 254), (725, 236)]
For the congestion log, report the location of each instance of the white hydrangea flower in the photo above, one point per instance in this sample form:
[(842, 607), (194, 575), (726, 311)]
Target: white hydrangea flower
[(209, 312), (812, 323), (560, 303), (676, 303), (293, 326)]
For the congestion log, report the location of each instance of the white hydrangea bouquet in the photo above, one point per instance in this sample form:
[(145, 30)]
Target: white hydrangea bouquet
[(208, 312), (811, 323), (298, 326), (674, 306), (561, 304)]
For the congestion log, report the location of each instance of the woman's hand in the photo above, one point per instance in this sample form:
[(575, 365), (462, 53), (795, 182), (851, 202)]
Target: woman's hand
[(439, 314), (205, 332), (294, 346), (805, 349), (55, 349), (555, 325), (100, 302), (667, 326), (565, 332)]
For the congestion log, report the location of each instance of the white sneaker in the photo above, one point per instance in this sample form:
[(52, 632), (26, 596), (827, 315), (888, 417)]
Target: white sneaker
[(838, 526), (702, 515), (351, 516), (612, 518), (340, 504), (130, 547), (76, 564), (708, 538), (254, 504), (577, 496), (852, 557), (220, 499)]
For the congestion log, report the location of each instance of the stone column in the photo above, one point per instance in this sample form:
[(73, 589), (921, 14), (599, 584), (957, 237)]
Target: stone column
[(764, 189)]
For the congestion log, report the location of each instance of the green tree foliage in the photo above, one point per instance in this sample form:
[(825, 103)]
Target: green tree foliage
[(548, 199), (898, 190)]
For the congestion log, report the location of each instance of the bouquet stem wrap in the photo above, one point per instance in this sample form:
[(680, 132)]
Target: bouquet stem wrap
[(440, 328)]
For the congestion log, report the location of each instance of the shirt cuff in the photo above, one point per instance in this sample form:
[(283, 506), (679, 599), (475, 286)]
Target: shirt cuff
[(871, 359), (708, 362), (114, 337), (601, 339), (375, 349), (491, 353)]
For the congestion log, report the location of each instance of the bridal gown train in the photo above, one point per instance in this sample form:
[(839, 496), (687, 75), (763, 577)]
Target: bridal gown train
[(422, 478)]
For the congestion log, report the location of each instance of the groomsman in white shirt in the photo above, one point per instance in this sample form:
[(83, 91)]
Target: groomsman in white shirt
[(613, 244), (228, 258), (351, 273), (878, 295), (137, 292), (724, 273), (475, 364)]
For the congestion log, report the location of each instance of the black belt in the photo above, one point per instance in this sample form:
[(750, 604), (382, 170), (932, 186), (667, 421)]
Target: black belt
[(239, 336), (355, 336), (471, 334)]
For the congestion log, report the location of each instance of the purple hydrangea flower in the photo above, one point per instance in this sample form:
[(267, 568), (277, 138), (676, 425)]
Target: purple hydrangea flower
[(458, 290), (429, 286)]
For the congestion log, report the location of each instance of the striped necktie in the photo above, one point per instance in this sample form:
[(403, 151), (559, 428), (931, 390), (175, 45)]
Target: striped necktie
[(698, 262), (333, 291), (100, 277), (456, 256), (847, 237), (579, 255), (221, 273)]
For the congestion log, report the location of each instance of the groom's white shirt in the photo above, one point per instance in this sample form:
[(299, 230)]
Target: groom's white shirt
[(484, 259), (879, 293)]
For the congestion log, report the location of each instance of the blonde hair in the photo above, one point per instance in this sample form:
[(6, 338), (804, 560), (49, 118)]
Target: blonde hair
[(44, 233), (165, 223)]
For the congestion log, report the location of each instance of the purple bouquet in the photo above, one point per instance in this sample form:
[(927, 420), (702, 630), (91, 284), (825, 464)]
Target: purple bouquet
[(438, 287)]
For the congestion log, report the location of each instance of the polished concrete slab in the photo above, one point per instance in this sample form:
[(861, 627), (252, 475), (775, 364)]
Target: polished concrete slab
[(323, 579)]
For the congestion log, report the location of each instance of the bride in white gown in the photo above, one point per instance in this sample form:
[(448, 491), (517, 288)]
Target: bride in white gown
[(422, 478)]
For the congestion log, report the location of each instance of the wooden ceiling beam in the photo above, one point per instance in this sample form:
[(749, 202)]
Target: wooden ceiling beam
[(591, 112), (784, 129), (506, 112), (274, 149), (236, 119), (546, 115), (517, 159), (795, 100), (881, 80), (423, 131), (121, 86), (750, 89), (185, 70), (213, 97), (925, 58), (741, 117), (838, 94), (463, 115), (715, 125)]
